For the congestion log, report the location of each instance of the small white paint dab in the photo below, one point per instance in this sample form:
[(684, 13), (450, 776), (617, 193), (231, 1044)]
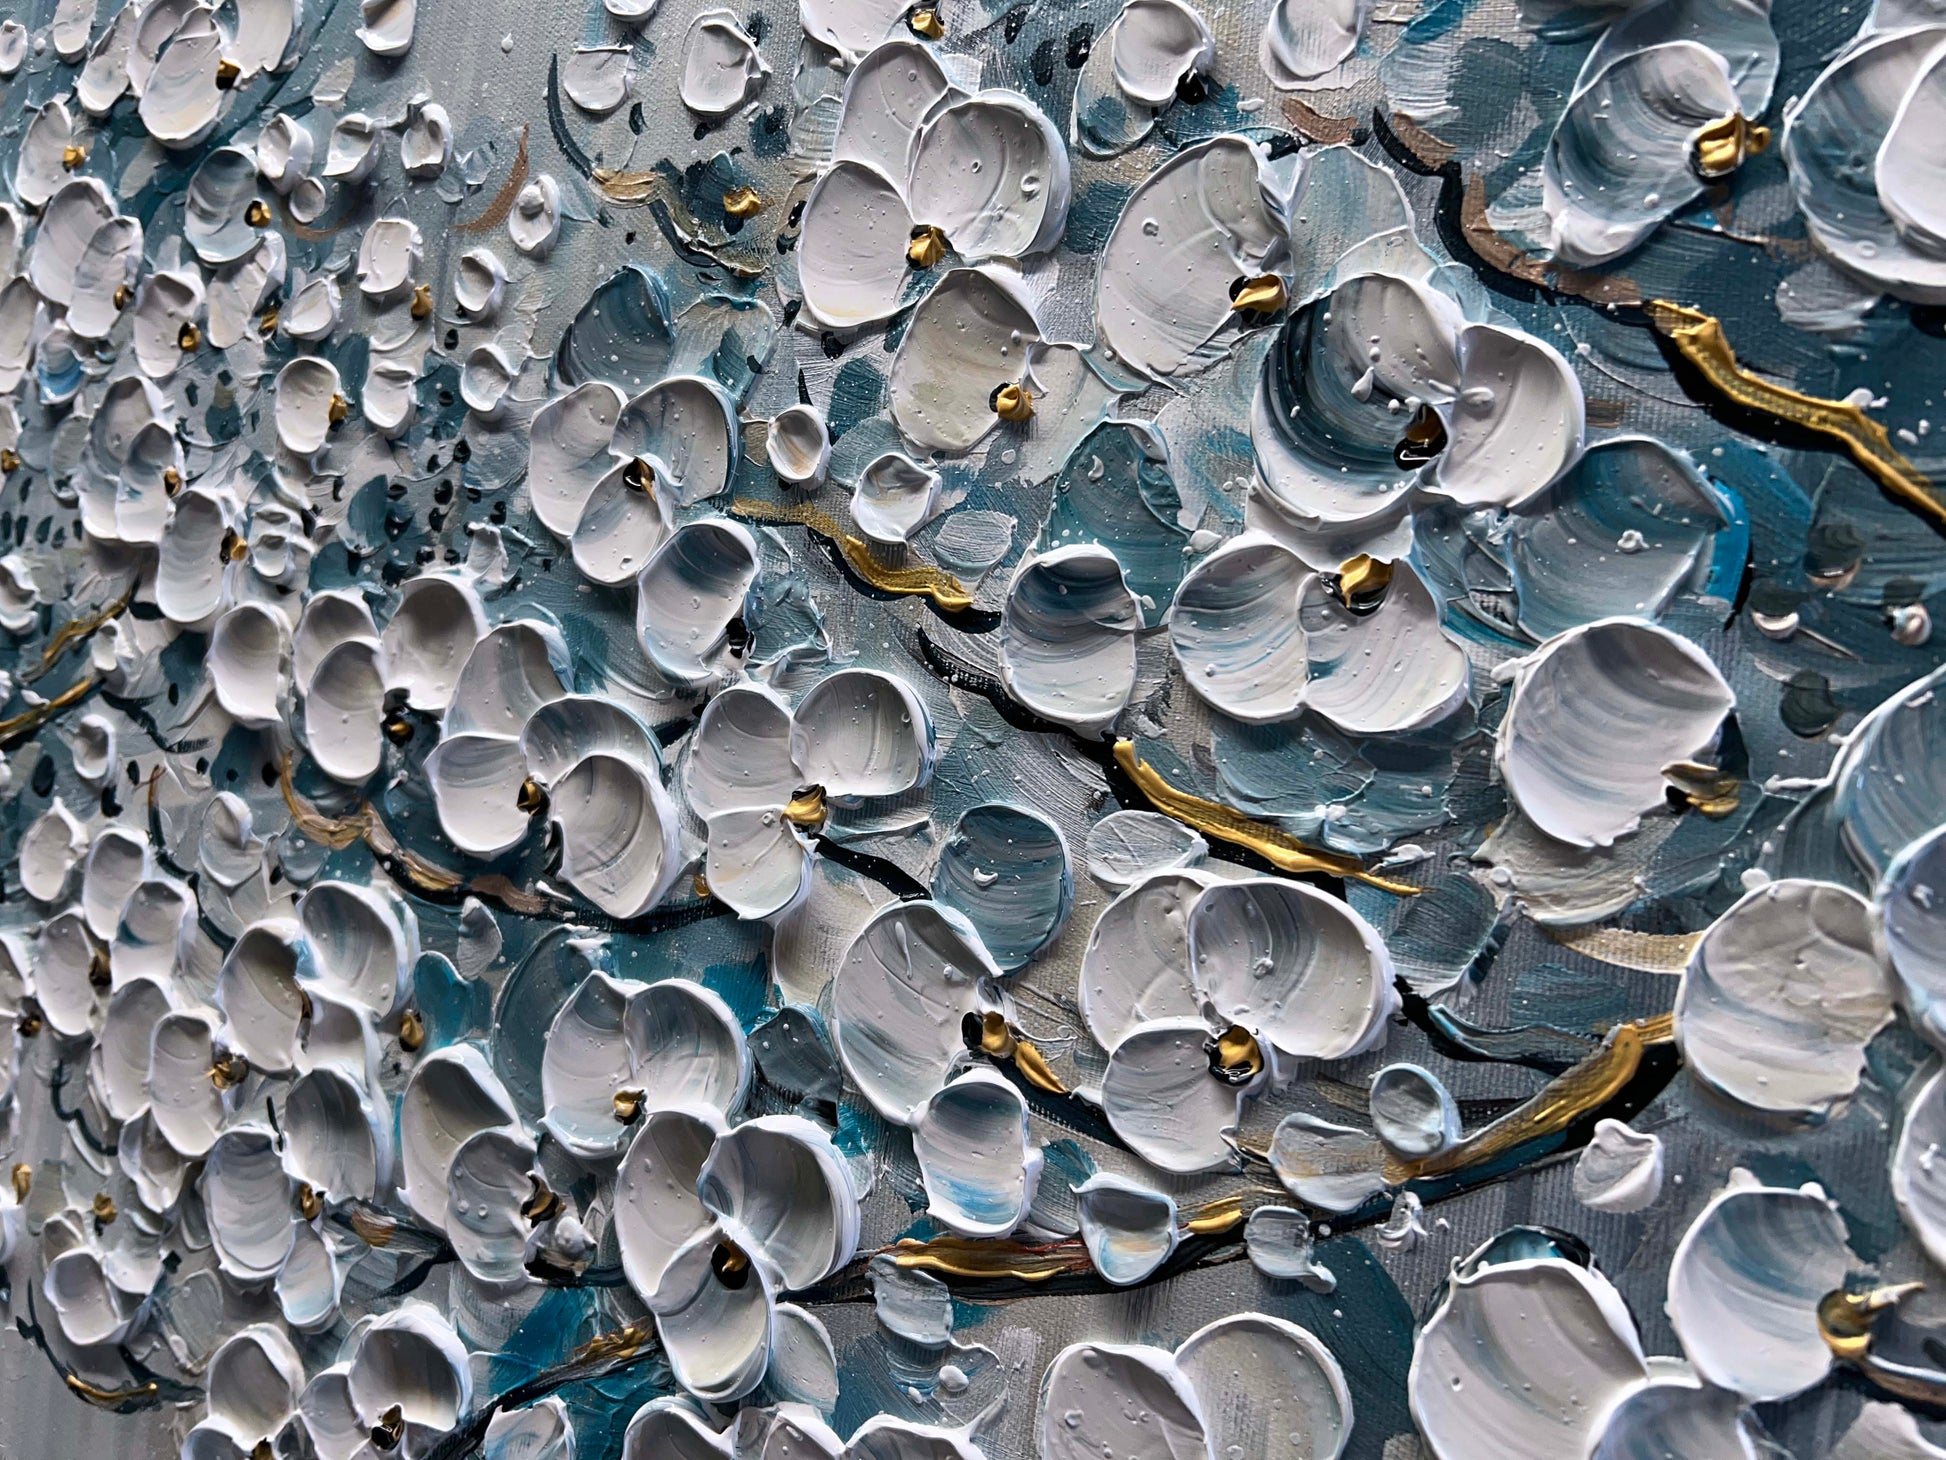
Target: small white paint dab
[(507, 44), (1631, 541), (1752, 879), (1251, 105)]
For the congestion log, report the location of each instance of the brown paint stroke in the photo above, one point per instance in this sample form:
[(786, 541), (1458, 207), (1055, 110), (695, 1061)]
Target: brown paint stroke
[(503, 201)]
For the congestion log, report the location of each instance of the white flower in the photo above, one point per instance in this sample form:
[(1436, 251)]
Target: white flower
[(1202, 992), (717, 1221), (1248, 1384), (755, 773), (1862, 146), (921, 167)]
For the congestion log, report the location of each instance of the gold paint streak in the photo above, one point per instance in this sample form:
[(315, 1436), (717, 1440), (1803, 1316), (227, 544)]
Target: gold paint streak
[(422, 301), (1035, 1069), (1013, 403), (373, 1227), (1363, 578), (966, 1257), (744, 202), (412, 1032), (1624, 948), (339, 832), (108, 1398), (1321, 128), (1279, 848), (925, 22), (1700, 339), (919, 580), (23, 1180), (1845, 1323), (73, 156), (1567, 1098), (503, 201), (28, 721), (1216, 1216), (79, 630), (620, 1344)]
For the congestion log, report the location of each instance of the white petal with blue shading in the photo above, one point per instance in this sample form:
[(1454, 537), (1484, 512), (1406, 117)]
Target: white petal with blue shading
[(1413, 1111), (476, 781), (1595, 715), (1781, 997), (411, 1357), (1671, 1415), (688, 426), (1522, 1357), (1632, 525), (1889, 787), (492, 1177), (758, 862), (895, 497), (852, 263), (428, 638), (1267, 1388), (668, 1429), (1007, 870), (452, 1096), (885, 1437), (619, 834), (911, 976), (657, 1211), (111, 263), (1745, 1284), (697, 582), (1129, 1229), (344, 711), (1386, 671), (567, 452), (1125, 847), (1336, 1167), (1164, 1101), (1516, 424), (781, 1189), (1136, 967), (562, 733), (1845, 117), (740, 755), (259, 991), (156, 931), (337, 1136), (1278, 1240), (992, 172), (118, 1068), (1340, 386), (305, 392), (977, 1157), (1619, 1170), (1203, 220), (253, 1381), (1294, 965), (973, 334), (1067, 637), (1909, 928), (184, 1103), (1739, 31), (248, 1199), (1305, 40), (1619, 160), (860, 732), (1235, 632), (715, 1336)]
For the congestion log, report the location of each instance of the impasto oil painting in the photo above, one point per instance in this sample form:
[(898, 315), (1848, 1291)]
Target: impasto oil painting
[(983, 730)]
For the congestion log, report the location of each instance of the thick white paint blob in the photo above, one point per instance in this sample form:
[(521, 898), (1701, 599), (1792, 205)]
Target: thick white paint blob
[(1390, 670), (351, 151), (596, 78), (687, 427), (314, 310), (1267, 1387), (974, 333), (1235, 633), (1067, 637), (798, 445), (480, 283), (387, 30), (453, 1094), (1595, 715), (686, 597), (535, 222), (1114, 1399), (1160, 1097), (721, 66), (284, 151), (249, 663), (306, 391), (1675, 1415), (1909, 930), (567, 453), (910, 977), (426, 144), (1157, 44), (1619, 160), (1781, 997), (1522, 1357), (1516, 424), (1129, 1229), (1413, 1112), (977, 1157), (1619, 1170), (1203, 220), (1745, 1283), (1303, 43), (427, 640), (388, 257), (895, 497), (1336, 1167)]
